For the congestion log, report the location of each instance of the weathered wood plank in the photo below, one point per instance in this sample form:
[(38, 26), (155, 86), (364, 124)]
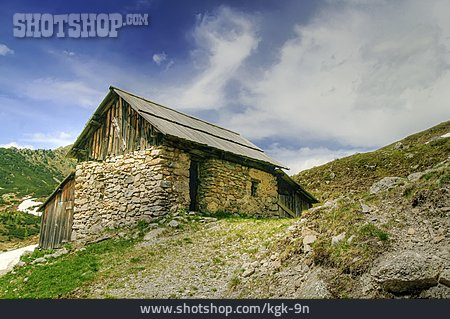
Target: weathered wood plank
[(286, 209), (56, 227), (122, 130)]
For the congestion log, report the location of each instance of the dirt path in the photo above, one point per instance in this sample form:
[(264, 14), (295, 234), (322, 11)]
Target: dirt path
[(10, 258)]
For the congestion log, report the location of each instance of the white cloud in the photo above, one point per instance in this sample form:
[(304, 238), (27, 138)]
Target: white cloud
[(16, 145), (358, 75), (73, 92), (159, 58), (52, 140), (303, 158), (224, 40), (69, 53), (4, 50)]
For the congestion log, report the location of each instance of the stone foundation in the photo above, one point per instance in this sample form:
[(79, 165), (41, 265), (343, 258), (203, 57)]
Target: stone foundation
[(227, 187), (122, 190)]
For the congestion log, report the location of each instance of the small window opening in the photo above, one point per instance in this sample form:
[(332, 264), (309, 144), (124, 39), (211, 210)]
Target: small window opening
[(254, 188)]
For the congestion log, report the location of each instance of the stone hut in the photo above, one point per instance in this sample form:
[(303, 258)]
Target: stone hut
[(138, 160)]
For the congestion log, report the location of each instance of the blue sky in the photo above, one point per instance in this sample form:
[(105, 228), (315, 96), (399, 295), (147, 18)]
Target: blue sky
[(307, 81)]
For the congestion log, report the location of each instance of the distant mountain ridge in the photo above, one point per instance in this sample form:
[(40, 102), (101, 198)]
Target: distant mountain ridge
[(32, 172)]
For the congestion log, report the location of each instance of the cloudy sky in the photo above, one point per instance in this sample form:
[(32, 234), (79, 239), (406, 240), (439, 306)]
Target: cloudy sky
[(306, 81)]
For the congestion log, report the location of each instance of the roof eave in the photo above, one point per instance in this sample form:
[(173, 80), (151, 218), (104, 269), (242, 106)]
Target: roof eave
[(290, 180), (57, 189), (71, 153)]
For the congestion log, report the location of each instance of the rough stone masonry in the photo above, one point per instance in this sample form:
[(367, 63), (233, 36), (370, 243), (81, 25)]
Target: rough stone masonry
[(145, 185)]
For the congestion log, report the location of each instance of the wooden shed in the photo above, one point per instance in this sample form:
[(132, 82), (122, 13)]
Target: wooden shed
[(57, 216)]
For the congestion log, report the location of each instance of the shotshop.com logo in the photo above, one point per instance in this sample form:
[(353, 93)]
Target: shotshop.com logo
[(74, 25)]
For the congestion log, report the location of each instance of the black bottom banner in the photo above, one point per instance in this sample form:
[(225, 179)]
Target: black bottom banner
[(218, 309)]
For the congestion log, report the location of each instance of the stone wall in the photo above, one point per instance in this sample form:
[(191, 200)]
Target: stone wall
[(226, 186), (122, 190)]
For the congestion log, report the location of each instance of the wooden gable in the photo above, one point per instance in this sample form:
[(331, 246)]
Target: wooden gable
[(118, 129)]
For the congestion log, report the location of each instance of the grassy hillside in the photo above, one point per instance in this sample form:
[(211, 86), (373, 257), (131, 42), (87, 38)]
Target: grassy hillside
[(32, 172), (356, 173)]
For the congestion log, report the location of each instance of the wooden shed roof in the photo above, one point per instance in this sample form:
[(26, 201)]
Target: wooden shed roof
[(182, 126), (57, 189)]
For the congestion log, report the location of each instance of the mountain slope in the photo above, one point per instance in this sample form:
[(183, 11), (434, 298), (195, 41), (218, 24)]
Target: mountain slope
[(32, 172), (354, 174)]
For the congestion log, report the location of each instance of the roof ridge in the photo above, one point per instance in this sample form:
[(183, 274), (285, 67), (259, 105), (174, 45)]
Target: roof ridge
[(200, 130), (171, 109)]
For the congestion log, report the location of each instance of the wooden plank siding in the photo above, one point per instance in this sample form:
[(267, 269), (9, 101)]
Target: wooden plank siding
[(57, 219), (119, 130), (291, 199)]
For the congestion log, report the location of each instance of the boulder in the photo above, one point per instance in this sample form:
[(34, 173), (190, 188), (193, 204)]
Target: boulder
[(39, 260), (385, 184), (336, 239), (154, 233), (399, 146), (445, 277), (57, 253), (173, 224), (248, 272), (307, 241), (436, 292), (415, 176), (407, 272), (365, 209), (314, 287)]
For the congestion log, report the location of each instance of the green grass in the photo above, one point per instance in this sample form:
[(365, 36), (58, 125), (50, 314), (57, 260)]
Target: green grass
[(62, 275), (445, 179), (356, 256), (370, 230), (234, 282)]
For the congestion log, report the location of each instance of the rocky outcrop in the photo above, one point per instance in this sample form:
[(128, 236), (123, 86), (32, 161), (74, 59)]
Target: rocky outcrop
[(314, 287), (445, 276), (437, 292), (407, 272), (385, 184)]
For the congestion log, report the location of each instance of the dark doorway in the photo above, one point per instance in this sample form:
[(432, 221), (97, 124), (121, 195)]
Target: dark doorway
[(193, 186)]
